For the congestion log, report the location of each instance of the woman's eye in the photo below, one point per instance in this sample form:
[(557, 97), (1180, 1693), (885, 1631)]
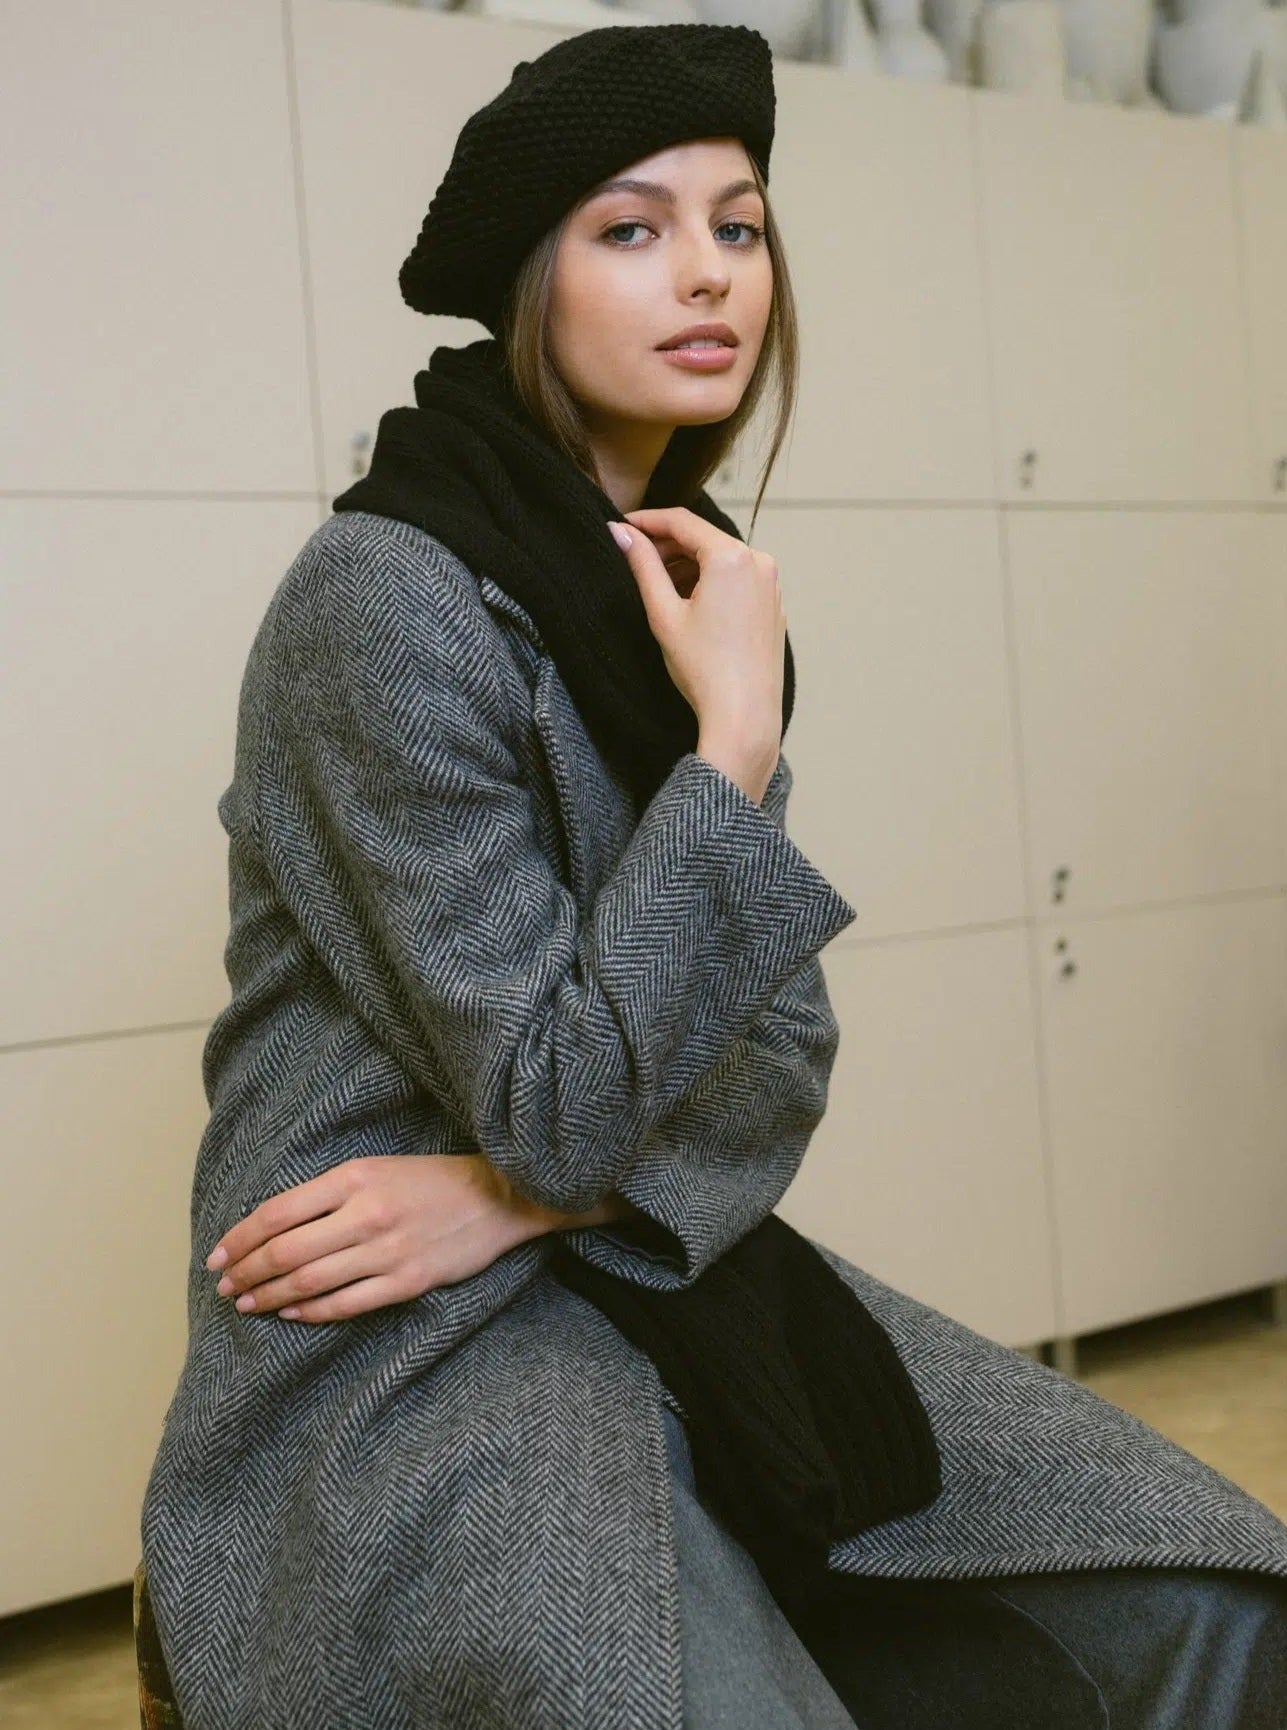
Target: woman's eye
[(620, 225), (755, 233)]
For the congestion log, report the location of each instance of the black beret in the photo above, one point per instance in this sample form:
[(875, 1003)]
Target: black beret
[(588, 106)]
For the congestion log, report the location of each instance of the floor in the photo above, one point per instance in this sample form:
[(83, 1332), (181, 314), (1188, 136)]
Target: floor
[(1214, 1379)]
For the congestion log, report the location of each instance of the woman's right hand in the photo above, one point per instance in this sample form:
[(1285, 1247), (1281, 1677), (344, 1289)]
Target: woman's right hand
[(724, 644)]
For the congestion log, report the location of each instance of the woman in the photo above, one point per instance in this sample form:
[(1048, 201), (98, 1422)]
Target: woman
[(513, 875)]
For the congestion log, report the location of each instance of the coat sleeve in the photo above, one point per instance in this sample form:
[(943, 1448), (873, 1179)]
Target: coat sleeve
[(723, 1156), (397, 821)]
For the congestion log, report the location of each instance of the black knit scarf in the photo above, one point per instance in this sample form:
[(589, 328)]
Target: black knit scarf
[(470, 465), (804, 1425)]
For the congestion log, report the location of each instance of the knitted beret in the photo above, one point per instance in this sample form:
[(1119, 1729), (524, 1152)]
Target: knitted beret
[(588, 106)]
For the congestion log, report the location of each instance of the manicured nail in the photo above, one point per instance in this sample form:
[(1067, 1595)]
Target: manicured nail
[(621, 534), (216, 1259)]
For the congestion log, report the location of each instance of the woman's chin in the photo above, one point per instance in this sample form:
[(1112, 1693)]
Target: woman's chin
[(699, 400)]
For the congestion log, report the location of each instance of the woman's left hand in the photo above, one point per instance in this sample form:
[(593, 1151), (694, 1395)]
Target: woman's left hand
[(372, 1231)]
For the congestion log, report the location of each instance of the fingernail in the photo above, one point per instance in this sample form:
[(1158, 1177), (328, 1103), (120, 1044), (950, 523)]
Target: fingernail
[(621, 534), (290, 1312), (224, 1286), (246, 1301), (216, 1259)]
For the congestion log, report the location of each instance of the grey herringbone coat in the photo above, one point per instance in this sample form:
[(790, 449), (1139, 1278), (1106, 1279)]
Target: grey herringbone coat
[(448, 934)]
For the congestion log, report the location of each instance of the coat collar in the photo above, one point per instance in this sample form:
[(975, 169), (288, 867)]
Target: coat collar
[(504, 603), (594, 803)]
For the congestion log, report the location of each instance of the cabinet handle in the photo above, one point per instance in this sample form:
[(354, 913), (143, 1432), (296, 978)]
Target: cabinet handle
[(358, 446), (1058, 882), (1027, 468), (1280, 475)]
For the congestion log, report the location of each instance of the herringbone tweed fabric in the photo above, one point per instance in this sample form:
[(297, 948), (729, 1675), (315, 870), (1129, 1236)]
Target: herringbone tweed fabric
[(447, 934)]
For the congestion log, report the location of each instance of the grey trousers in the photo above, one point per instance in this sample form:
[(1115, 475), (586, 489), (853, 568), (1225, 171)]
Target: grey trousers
[(1118, 1649)]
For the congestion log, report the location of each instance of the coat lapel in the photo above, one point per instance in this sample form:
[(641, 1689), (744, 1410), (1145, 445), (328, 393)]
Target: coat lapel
[(595, 807)]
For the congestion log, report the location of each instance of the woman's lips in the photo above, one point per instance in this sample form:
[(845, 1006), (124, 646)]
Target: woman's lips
[(706, 359)]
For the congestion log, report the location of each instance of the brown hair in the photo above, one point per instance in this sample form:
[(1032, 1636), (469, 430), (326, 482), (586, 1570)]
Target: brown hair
[(694, 452)]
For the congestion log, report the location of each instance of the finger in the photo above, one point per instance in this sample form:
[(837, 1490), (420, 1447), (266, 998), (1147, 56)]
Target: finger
[(680, 525), (656, 589), (352, 1300), (684, 573), (312, 1279), (669, 550), (661, 538), (303, 1201), (292, 1249), (684, 541), (676, 560)]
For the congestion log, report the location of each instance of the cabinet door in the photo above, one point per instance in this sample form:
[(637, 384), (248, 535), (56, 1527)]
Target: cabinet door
[(383, 93), (1272, 536), (100, 1140), (1143, 646), (1167, 1104), (1260, 158), (926, 1169), (902, 743), (126, 628), (873, 185), (155, 293), (1115, 307)]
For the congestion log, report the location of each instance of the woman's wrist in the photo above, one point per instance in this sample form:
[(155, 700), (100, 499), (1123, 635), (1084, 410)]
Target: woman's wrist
[(610, 1209), (534, 1219)]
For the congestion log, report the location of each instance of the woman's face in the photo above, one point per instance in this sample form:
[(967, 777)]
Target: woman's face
[(681, 244)]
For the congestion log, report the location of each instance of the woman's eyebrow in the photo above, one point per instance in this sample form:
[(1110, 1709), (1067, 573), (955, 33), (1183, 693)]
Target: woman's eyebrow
[(655, 189)]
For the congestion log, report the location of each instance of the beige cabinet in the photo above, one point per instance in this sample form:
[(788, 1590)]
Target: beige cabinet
[(927, 1168), (383, 91), (1115, 310), (126, 628), (1144, 659), (903, 735), (1260, 158), (1272, 536), (100, 1139), (873, 184), (153, 301), (1164, 1033)]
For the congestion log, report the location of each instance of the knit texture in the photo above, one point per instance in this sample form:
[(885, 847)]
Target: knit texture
[(803, 1424), (587, 106), (470, 465)]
